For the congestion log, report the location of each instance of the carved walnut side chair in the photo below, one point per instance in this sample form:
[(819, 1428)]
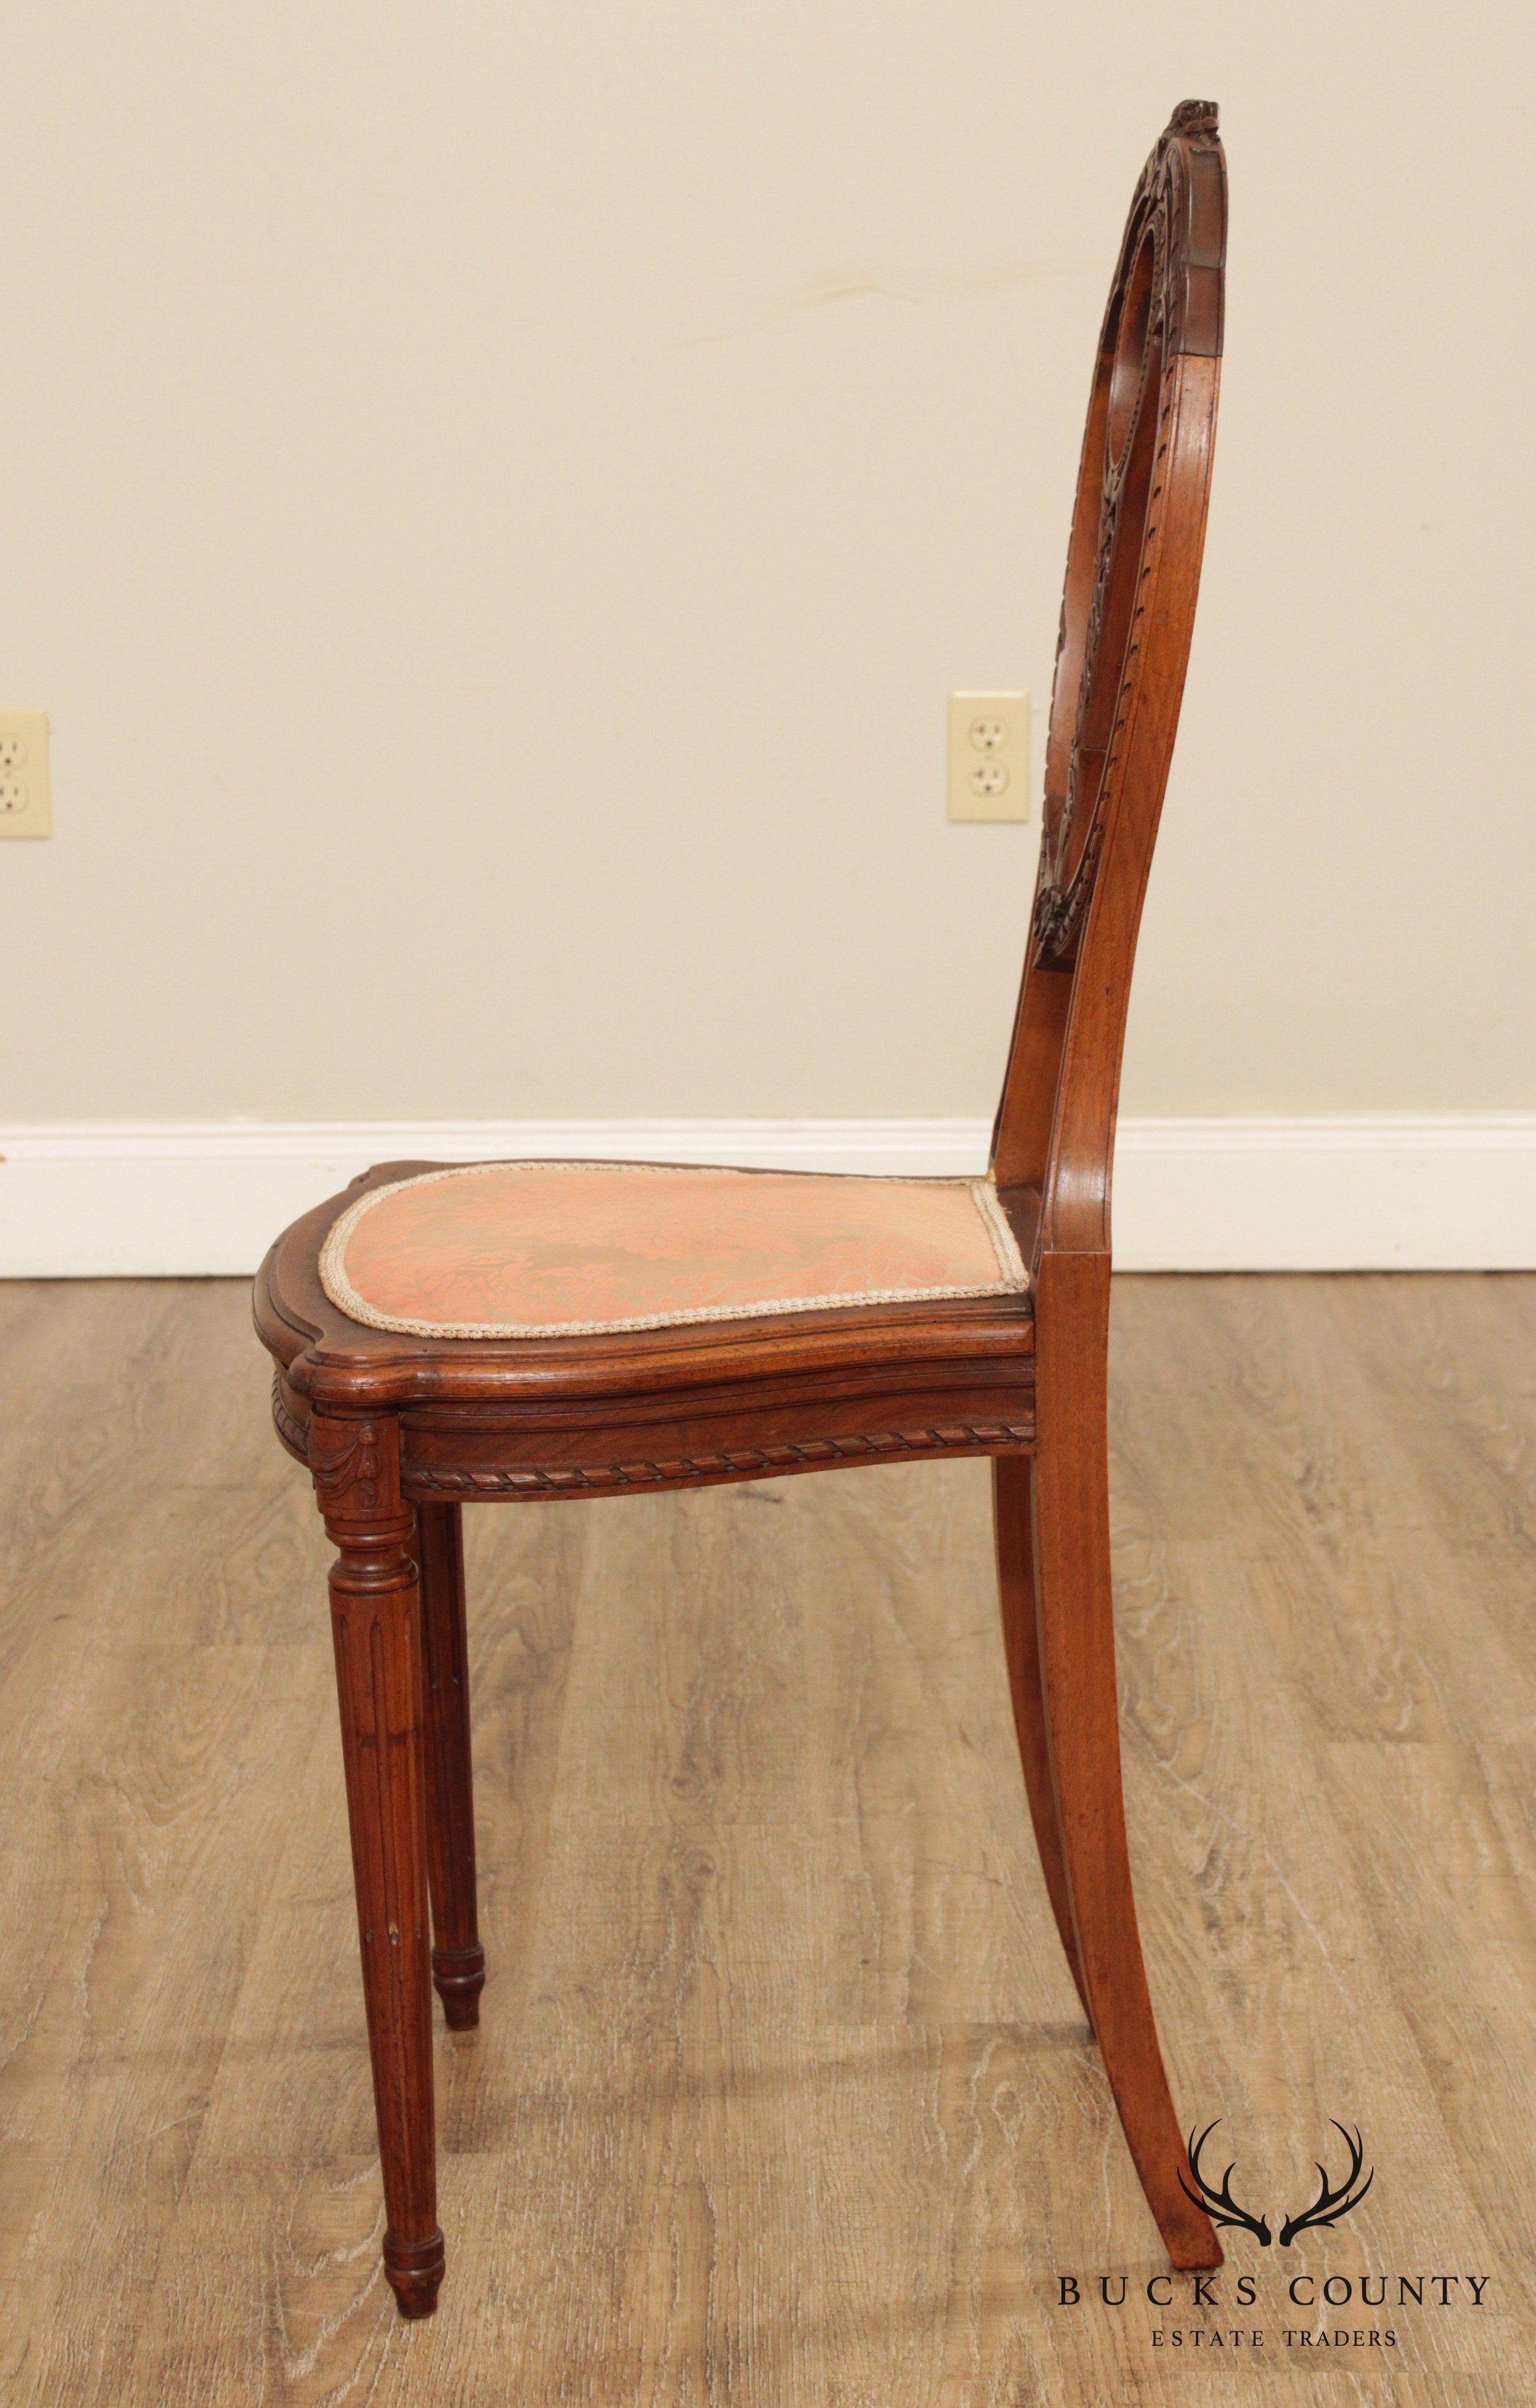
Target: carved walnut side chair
[(499, 1331)]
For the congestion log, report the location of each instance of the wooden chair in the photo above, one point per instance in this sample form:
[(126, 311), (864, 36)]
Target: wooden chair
[(505, 1331)]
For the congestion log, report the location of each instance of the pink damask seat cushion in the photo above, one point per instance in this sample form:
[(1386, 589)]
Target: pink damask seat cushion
[(571, 1249)]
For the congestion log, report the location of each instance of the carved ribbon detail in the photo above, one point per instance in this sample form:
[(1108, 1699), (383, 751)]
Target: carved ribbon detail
[(351, 1474)]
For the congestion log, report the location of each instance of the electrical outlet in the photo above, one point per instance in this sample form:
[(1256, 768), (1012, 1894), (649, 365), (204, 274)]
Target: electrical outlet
[(25, 807), (989, 756)]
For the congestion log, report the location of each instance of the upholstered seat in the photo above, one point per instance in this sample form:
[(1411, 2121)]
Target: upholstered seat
[(575, 1249)]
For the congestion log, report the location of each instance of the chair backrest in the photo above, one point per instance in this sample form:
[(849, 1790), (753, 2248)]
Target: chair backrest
[(1133, 569)]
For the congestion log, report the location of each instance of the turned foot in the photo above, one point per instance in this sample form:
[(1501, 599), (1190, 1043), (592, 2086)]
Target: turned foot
[(415, 2270), (459, 1976)]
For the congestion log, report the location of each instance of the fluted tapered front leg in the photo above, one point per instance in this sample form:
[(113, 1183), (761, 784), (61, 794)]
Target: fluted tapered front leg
[(376, 1622)]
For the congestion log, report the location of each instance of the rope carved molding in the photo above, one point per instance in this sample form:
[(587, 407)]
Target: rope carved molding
[(548, 1481), (535, 1480), (289, 1428)]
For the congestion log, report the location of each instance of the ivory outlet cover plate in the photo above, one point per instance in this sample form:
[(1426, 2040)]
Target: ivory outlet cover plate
[(989, 756), (25, 807)]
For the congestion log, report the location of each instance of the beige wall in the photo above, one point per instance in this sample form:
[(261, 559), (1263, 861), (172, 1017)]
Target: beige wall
[(508, 489)]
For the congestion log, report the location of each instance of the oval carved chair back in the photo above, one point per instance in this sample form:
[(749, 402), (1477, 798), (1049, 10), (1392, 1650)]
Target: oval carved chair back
[(1128, 614)]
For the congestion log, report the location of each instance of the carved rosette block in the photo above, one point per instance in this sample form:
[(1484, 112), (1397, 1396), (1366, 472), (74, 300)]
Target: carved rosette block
[(376, 1623)]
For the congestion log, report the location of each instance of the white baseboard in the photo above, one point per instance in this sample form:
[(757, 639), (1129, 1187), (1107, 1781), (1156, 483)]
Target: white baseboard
[(1367, 1192)]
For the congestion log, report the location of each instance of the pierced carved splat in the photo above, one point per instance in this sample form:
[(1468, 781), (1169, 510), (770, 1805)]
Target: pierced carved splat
[(1165, 305)]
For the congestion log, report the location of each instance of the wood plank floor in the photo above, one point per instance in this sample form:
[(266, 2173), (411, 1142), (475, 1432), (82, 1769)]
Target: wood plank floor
[(782, 2096)]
